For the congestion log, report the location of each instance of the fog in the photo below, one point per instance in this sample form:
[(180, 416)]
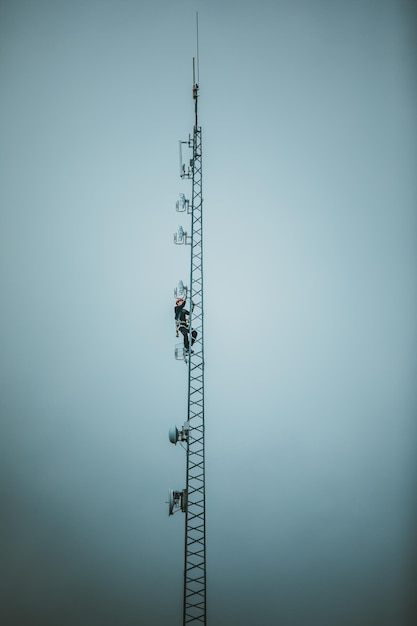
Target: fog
[(309, 160)]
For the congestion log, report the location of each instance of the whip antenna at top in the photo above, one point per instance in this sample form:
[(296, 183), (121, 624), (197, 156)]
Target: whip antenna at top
[(196, 75), (198, 63)]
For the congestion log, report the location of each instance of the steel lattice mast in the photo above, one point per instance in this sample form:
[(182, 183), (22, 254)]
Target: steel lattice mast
[(192, 500), (195, 524)]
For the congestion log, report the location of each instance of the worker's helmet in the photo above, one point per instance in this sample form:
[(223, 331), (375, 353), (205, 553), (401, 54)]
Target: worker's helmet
[(179, 301)]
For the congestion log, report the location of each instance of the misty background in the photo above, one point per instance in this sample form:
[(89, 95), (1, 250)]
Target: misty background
[(309, 168)]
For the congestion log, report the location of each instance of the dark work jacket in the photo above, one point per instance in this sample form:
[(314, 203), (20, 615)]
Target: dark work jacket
[(180, 314)]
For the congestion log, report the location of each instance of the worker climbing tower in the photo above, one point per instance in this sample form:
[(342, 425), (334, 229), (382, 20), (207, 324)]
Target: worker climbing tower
[(192, 499)]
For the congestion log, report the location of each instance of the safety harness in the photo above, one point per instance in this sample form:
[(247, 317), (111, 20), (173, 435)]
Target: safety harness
[(179, 323)]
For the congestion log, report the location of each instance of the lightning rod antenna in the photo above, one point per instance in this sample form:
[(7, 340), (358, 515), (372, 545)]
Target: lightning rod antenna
[(198, 56), (196, 80)]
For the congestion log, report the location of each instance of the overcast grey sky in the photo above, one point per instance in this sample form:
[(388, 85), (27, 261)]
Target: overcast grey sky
[(309, 161)]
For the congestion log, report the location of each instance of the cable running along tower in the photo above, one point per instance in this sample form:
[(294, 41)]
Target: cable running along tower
[(191, 500)]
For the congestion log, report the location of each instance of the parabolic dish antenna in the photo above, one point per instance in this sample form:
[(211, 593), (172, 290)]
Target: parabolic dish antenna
[(171, 502), (173, 435)]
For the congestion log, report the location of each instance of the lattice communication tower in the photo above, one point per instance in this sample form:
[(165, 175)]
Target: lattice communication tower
[(192, 499)]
